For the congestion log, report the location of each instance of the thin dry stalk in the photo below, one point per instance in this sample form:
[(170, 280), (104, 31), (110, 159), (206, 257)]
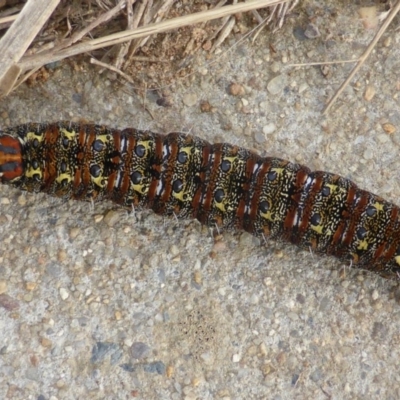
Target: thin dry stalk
[(365, 55), (101, 20), (124, 47), (29, 62), (112, 68), (19, 36)]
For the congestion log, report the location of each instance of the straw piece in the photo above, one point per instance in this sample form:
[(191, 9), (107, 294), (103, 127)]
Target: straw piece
[(365, 55), (19, 36), (120, 37)]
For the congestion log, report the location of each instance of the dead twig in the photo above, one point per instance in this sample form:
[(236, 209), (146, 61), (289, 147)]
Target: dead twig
[(112, 68), (365, 55), (34, 61), (19, 36), (123, 50)]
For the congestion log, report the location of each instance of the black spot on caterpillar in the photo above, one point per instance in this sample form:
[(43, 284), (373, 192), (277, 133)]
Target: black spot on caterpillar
[(221, 185)]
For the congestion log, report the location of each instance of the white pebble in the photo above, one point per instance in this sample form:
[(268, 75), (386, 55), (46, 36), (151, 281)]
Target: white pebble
[(269, 128), (64, 293), (236, 358)]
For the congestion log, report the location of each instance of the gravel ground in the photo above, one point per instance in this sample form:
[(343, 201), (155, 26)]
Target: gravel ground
[(99, 304)]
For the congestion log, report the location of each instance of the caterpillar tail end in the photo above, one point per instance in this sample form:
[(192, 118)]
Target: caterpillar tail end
[(11, 163)]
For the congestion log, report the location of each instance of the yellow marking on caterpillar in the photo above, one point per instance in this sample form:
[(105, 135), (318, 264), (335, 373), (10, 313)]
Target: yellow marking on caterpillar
[(64, 176), (187, 150), (31, 172), (378, 206), (317, 228), (180, 196), (100, 181), (267, 216), (141, 188), (363, 245), (145, 144), (230, 159), (103, 138), (279, 171), (220, 206), (68, 134), (33, 135)]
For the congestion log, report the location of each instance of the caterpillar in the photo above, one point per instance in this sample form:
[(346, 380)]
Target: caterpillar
[(220, 185)]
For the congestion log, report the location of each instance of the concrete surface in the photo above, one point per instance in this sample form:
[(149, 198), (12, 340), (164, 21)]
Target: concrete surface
[(98, 304)]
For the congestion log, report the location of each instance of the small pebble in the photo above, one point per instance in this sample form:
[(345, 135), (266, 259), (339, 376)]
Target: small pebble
[(112, 218), (276, 85), (236, 90), (275, 67), (267, 369), (118, 315), (263, 349), (98, 218), (236, 358), (311, 31), (64, 293), (190, 99), (269, 128), (3, 286), (303, 87), (205, 106), (128, 367), (170, 371), (389, 128), (22, 200), (174, 250), (153, 367), (60, 383), (30, 286), (8, 302), (139, 350), (259, 137), (46, 342), (369, 93), (74, 232), (103, 349)]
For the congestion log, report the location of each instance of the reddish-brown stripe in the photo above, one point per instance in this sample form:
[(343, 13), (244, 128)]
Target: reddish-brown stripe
[(213, 179), (197, 198), (156, 166), (173, 148), (11, 163), (50, 137), (293, 210), (355, 219), (336, 246), (388, 250), (113, 176), (245, 197), (258, 188)]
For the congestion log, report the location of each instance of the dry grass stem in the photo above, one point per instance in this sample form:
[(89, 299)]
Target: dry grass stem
[(34, 61), (323, 63), (112, 68), (393, 12), (19, 36)]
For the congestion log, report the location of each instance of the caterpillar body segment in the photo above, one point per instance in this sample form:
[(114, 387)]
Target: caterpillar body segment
[(218, 184)]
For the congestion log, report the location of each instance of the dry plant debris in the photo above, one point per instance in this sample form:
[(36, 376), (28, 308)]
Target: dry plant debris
[(132, 38)]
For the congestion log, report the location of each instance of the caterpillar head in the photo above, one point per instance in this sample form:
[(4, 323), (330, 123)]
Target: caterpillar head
[(11, 163)]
